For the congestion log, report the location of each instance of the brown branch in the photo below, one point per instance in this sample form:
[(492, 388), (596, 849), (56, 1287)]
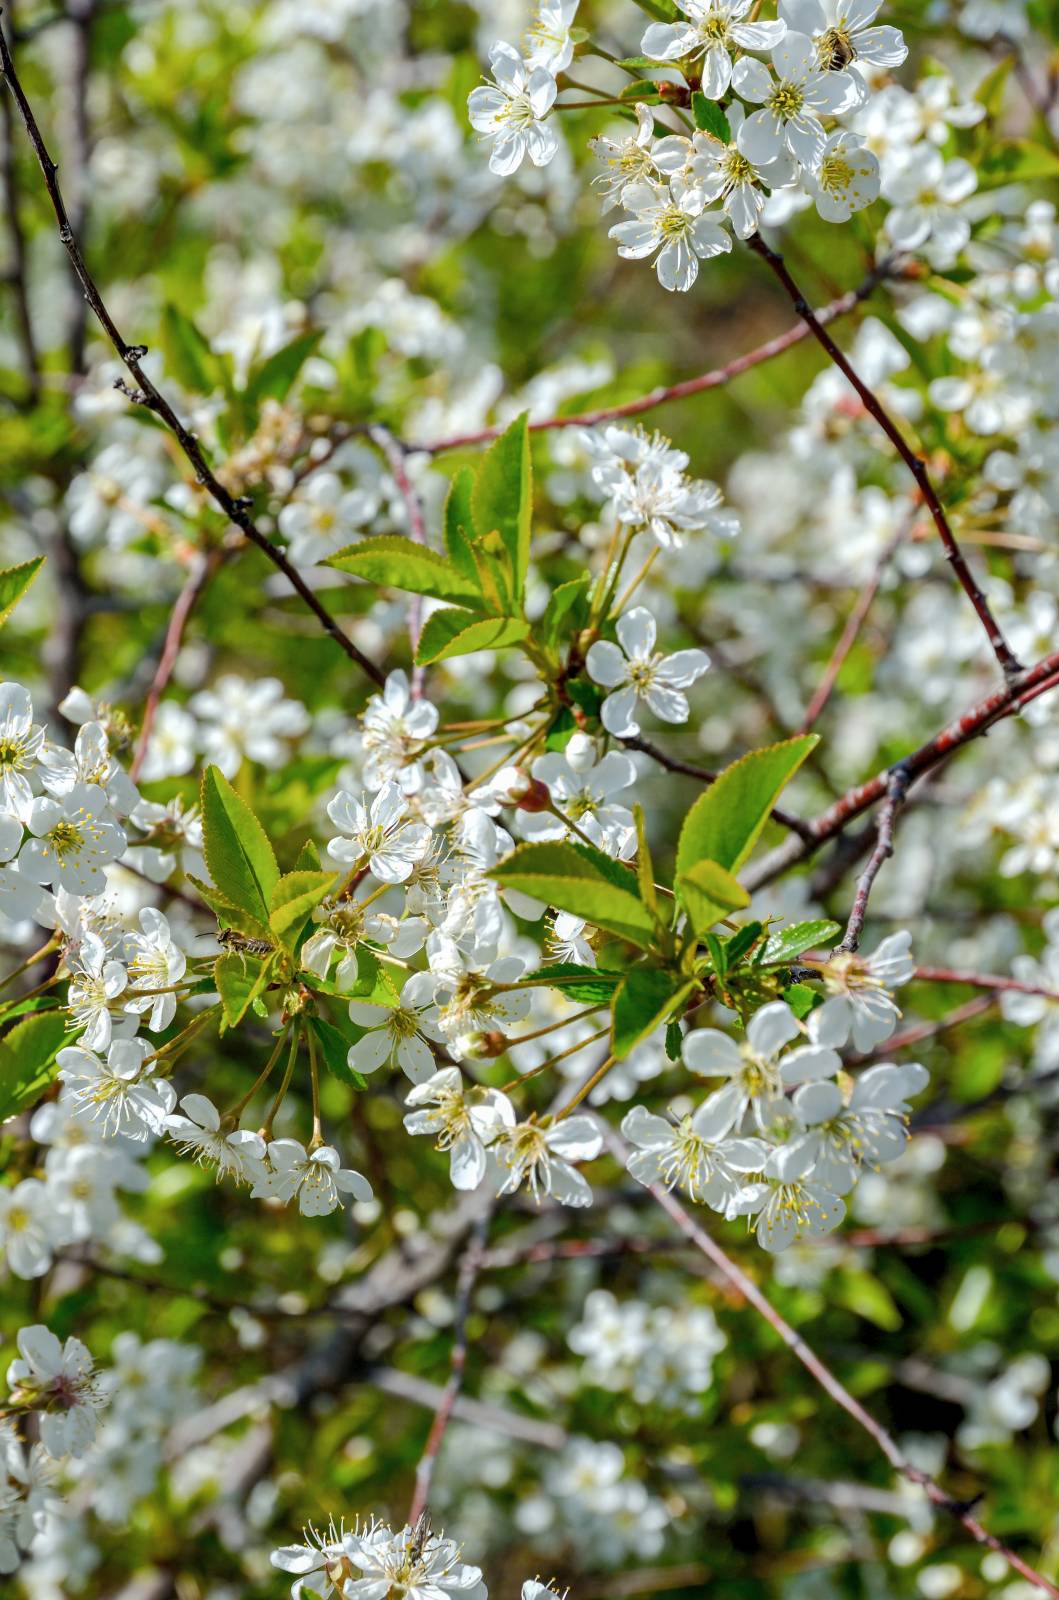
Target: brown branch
[(17, 276), (917, 1032), (145, 393), (896, 791), (961, 731), (850, 632), (1005, 656), (831, 1385), (470, 1266), (81, 13), (984, 980), (704, 775), (198, 580), (713, 379)]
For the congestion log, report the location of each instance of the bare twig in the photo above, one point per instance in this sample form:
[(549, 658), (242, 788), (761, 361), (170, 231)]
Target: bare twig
[(17, 274), (831, 1385), (984, 980), (206, 565), (896, 790), (962, 730), (786, 819), (1005, 656), (470, 1266), (146, 393), (854, 623), (714, 379)]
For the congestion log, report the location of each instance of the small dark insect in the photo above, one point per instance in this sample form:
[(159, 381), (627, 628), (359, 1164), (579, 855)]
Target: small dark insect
[(842, 51), (232, 940), (420, 1535)]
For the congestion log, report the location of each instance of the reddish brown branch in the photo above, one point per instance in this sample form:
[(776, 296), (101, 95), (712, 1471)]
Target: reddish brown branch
[(896, 791), (961, 731), (854, 622), (198, 579), (1005, 656), (837, 1391), (470, 1266), (237, 510), (984, 980), (786, 819), (17, 275), (714, 379)]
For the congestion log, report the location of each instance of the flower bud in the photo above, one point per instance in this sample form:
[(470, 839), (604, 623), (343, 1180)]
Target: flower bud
[(580, 753)]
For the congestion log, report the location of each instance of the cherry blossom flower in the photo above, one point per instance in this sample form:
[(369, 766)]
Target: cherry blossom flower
[(676, 231), (155, 962), (843, 34), (724, 172), (927, 193), (323, 515), (792, 102), (463, 1120), (637, 672), (870, 1129), (59, 1381), (21, 744), (95, 981), (236, 1152), (540, 1157), (713, 30), (587, 798), (394, 728), (409, 1564), (316, 1178), (399, 1033), (847, 178), (243, 720), (378, 834), (73, 840), (511, 111), (548, 36), (754, 1069), (27, 1228), (692, 1153), (120, 1094), (859, 1004)]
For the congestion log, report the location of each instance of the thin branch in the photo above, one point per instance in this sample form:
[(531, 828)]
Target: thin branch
[(470, 1266), (984, 980), (395, 457), (661, 396), (854, 622), (198, 579), (786, 819), (896, 791), (961, 731), (1005, 656), (818, 1369), (17, 275), (237, 510), (917, 1032)]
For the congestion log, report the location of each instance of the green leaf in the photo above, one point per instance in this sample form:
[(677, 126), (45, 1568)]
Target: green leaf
[(862, 1293), (640, 64), (743, 941), (502, 500), (458, 632), (293, 898), (308, 858), (1016, 161), (710, 118), (459, 526), (674, 1041), (724, 823), (800, 998), (569, 877), (335, 1048), (378, 984), (645, 999), (239, 979), (645, 872), (275, 377), (237, 851), (188, 356), (792, 942), (14, 581), (27, 1060), (566, 611), (587, 984), (990, 91), (228, 914), (709, 892), (402, 564)]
